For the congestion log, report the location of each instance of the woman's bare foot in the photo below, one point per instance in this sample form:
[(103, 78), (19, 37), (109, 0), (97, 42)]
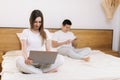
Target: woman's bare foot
[(52, 71), (86, 59)]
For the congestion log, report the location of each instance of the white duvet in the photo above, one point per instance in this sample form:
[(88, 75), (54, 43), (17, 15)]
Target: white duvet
[(100, 67)]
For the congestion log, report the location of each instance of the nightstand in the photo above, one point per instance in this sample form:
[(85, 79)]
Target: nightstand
[(1, 54)]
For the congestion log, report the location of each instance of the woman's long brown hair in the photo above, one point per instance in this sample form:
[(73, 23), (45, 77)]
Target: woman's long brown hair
[(34, 15)]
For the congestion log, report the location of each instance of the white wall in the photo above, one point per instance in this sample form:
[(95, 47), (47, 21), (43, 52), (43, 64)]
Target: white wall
[(116, 28), (85, 14)]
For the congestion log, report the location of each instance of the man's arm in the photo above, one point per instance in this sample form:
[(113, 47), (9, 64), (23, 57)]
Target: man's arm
[(55, 44), (74, 43)]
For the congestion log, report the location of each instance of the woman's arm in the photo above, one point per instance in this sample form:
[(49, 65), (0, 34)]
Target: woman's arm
[(24, 50), (47, 44)]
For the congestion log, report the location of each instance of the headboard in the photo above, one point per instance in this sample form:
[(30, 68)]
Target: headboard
[(8, 39), (94, 38)]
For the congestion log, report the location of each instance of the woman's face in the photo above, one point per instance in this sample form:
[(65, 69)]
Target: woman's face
[(37, 23)]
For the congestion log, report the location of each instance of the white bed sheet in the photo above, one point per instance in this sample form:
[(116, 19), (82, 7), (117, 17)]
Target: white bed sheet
[(100, 67)]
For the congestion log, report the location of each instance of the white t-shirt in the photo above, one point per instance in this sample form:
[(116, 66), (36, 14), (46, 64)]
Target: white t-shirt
[(61, 36), (34, 40)]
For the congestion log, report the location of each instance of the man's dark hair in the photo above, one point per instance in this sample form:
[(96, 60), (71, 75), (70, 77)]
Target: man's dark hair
[(66, 21)]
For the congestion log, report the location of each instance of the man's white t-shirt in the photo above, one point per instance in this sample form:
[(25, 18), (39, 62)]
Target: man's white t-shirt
[(34, 40), (61, 36)]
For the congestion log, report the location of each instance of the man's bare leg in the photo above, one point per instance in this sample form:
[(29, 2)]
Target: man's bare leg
[(86, 59)]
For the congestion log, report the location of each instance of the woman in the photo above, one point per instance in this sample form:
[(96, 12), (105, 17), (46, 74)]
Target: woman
[(36, 38)]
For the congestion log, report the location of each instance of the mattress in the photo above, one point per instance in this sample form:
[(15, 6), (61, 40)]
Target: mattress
[(100, 67)]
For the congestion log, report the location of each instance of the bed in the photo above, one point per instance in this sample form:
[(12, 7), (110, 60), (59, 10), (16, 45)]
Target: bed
[(104, 65)]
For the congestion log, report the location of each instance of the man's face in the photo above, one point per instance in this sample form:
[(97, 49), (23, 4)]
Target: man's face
[(66, 28)]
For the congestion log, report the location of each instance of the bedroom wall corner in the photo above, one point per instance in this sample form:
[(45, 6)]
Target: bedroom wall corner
[(116, 30)]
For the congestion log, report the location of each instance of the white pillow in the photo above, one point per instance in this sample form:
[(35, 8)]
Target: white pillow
[(50, 34), (19, 35)]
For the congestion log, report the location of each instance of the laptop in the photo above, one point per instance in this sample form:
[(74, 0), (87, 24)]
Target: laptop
[(43, 57)]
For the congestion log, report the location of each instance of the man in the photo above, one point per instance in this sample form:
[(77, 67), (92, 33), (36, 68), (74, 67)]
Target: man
[(64, 41)]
